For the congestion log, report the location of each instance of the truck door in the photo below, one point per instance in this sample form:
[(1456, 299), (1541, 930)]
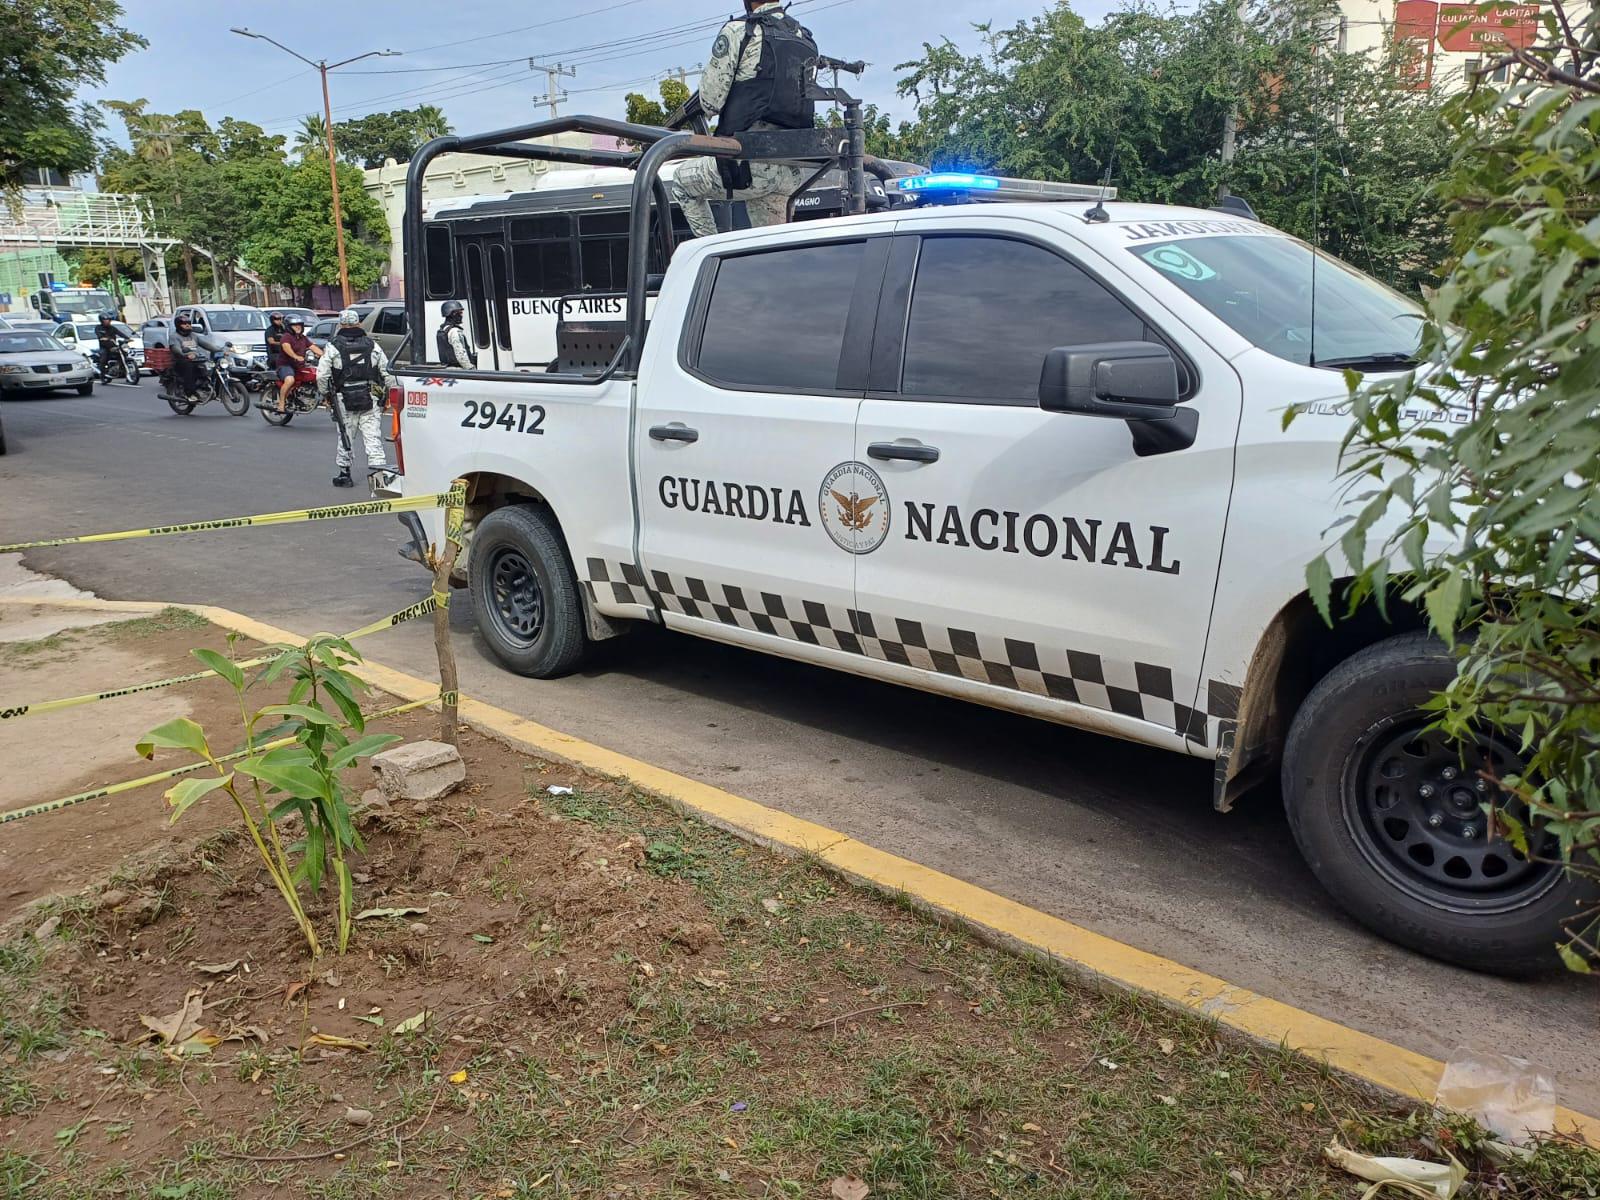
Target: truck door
[(740, 430), (483, 269), (1034, 554)]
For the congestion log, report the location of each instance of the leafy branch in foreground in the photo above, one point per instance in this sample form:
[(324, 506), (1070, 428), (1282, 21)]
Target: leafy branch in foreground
[(1484, 463), (294, 754)]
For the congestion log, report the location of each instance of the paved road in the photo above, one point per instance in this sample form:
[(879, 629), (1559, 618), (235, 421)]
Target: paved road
[(1112, 836)]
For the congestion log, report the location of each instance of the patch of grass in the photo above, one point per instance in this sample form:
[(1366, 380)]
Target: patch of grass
[(168, 620), (670, 858), (18, 1175), (587, 807), (38, 646)]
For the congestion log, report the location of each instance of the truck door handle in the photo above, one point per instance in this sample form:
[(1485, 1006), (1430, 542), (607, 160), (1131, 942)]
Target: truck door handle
[(887, 451), (674, 433)]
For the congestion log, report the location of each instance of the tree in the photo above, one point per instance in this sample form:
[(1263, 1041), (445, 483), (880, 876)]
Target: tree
[(292, 240), (204, 186), (1145, 95), (1479, 473), (372, 140), (168, 162), (311, 138), (238, 140), (50, 50), (644, 111)]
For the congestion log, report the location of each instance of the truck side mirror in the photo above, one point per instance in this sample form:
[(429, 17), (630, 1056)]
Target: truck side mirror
[(1127, 381), (1136, 382)]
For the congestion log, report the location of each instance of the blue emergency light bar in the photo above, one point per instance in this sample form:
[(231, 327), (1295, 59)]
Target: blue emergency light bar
[(948, 182)]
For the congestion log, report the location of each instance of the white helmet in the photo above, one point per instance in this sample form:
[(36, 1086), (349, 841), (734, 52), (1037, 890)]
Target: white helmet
[(349, 317)]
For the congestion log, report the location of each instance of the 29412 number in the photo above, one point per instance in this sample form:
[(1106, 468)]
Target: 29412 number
[(513, 418)]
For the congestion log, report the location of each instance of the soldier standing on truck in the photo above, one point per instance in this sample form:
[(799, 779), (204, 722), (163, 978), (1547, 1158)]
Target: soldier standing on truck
[(351, 367), (758, 78), (455, 348)]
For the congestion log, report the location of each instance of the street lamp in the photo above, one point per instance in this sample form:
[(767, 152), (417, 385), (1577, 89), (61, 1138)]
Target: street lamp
[(323, 67)]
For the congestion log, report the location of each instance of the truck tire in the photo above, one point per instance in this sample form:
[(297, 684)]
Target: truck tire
[(1388, 814), (524, 594)]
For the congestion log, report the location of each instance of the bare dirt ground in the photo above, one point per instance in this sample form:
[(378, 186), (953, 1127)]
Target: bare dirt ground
[(565, 988)]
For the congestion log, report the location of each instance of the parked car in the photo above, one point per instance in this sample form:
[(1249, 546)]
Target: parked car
[(324, 329), (79, 334), (37, 362), (385, 321)]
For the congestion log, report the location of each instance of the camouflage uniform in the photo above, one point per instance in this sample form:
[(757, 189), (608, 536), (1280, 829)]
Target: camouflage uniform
[(698, 180)]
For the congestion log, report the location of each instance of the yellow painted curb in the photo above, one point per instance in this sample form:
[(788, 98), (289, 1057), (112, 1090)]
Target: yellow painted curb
[(1370, 1058)]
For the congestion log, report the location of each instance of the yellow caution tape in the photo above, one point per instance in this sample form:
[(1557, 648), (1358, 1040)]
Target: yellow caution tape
[(34, 810), (17, 711), (371, 508)]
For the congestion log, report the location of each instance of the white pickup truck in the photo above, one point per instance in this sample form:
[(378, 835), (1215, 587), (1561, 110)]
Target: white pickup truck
[(1030, 455)]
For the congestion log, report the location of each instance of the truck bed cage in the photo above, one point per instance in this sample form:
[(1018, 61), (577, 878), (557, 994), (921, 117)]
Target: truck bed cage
[(843, 148)]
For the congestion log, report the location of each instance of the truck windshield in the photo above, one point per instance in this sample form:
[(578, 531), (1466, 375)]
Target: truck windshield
[(236, 320), (1262, 287), (83, 303)]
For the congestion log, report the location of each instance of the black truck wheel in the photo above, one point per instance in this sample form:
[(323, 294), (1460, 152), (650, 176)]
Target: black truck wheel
[(524, 594), (1390, 815)]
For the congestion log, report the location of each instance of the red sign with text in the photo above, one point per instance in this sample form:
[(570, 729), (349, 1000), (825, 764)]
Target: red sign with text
[(1465, 29)]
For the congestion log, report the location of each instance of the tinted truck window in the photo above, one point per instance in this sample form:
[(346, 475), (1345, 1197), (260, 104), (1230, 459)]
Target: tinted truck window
[(777, 320), (986, 311)]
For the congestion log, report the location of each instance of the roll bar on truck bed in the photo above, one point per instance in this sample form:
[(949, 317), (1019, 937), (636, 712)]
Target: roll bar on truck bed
[(844, 148)]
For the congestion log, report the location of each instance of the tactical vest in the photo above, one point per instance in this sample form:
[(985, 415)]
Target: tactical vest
[(777, 93), (356, 372), (447, 352)]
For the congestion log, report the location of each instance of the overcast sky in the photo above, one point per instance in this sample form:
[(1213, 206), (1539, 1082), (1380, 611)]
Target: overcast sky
[(469, 56)]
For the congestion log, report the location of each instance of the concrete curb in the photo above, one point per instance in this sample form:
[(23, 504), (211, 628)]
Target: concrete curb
[(1085, 953)]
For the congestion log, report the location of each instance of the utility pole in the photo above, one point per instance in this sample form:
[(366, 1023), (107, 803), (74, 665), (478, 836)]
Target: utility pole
[(323, 66), (1230, 123), (553, 77), (681, 74)]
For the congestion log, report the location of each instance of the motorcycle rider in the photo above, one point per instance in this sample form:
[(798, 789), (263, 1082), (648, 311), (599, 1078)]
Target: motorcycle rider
[(455, 347), (351, 366), (760, 70), (295, 350), (276, 331), (189, 350), (107, 336)]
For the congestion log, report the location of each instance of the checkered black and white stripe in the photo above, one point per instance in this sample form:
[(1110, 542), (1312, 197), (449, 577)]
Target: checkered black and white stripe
[(1142, 691)]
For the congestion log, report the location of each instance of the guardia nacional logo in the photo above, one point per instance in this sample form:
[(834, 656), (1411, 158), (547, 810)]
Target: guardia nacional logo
[(855, 508)]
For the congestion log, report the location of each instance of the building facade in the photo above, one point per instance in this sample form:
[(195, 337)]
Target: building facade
[(1449, 43)]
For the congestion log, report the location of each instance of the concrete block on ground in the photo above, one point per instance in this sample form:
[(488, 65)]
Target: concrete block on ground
[(419, 771)]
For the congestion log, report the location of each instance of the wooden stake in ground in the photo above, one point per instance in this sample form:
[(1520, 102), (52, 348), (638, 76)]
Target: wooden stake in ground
[(443, 564)]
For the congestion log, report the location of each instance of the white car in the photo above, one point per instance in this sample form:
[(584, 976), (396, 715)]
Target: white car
[(1030, 455), (79, 334), (241, 326)]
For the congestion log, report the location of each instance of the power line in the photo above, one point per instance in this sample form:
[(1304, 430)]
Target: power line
[(526, 28), (486, 79)]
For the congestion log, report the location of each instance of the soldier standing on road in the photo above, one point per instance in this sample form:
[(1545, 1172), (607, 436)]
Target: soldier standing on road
[(352, 367), (455, 347), (760, 71)]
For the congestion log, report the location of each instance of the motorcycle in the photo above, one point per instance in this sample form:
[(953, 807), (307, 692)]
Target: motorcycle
[(118, 364), (215, 383), (302, 398)]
